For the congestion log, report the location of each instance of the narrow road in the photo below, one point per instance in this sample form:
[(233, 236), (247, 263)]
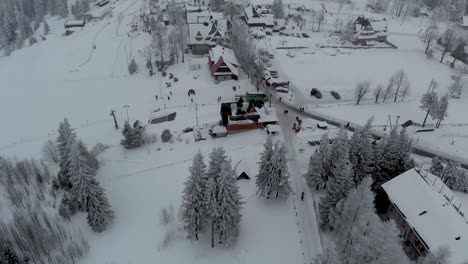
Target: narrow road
[(305, 210)]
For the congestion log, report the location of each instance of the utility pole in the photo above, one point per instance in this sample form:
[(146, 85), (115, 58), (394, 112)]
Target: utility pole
[(115, 119), (126, 108), (196, 111)]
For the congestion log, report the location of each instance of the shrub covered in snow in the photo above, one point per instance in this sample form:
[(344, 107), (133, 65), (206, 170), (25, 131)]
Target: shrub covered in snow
[(166, 135)]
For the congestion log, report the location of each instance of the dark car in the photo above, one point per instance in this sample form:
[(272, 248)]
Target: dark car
[(305, 35), (268, 33), (283, 34), (315, 92), (335, 95), (282, 28)]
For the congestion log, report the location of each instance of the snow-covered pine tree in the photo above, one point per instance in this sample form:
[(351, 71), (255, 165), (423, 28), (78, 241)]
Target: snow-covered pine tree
[(67, 206), (133, 137), (81, 177), (451, 175), (339, 150), (211, 205), (314, 173), (329, 256), (437, 166), (65, 140), (9, 255), (263, 180), (279, 172), (360, 152), (404, 160), (389, 157), (360, 229), (217, 159), (100, 214), (92, 161), (133, 67), (338, 187), (230, 205), (39, 10), (193, 207)]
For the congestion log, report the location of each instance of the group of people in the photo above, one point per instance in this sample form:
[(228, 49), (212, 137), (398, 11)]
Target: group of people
[(297, 125), (191, 92)]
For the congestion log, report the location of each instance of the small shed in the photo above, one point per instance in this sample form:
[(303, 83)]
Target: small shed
[(218, 131), (407, 123), (75, 23), (243, 176), (160, 116)]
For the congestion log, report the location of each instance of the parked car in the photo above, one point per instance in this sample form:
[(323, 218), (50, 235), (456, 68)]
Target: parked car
[(268, 33), (282, 28), (271, 56), (316, 93), (298, 35), (305, 35), (275, 29), (335, 95), (290, 55), (283, 34)]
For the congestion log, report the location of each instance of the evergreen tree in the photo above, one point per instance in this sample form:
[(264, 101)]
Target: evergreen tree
[(133, 137), (264, 178), (67, 206), (437, 166), (338, 187), (279, 172), (133, 67), (193, 208), (100, 214), (65, 140), (62, 8), (39, 10), (360, 152), (230, 204), (91, 160), (314, 174), (360, 229), (404, 160), (451, 175), (81, 178), (211, 205), (217, 159), (9, 255), (339, 150)]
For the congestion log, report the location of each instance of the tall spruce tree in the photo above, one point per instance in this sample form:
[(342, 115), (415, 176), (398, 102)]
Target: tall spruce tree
[(339, 150), (360, 152), (193, 207), (264, 178), (91, 160), (314, 173), (81, 177), (100, 214), (229, 206), (338, 187), (65, 140), (279, 172)]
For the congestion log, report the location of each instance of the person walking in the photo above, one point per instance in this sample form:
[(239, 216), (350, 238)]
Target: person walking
[(302, 196)]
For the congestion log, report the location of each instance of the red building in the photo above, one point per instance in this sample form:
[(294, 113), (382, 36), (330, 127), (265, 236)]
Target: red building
[(223, 63)]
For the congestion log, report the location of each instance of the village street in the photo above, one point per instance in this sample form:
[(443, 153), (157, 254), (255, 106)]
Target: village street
[(306, 214)]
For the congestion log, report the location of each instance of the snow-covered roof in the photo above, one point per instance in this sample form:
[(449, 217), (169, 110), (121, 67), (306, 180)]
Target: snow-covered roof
[(74, 23), (219, 129), (207, 33), (433, 210), (229, 58), (267, 114), (255, 17), (204, 16), (379, 25)]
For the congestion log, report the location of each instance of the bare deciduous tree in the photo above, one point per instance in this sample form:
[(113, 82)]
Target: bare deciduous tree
[(362, 88), (378, 90), (49, 150), (405, 91), (450, 39), (400, 80), (455, 89), (320, 20), (159, 40), (148, 53), (388, 89), (432, 31)]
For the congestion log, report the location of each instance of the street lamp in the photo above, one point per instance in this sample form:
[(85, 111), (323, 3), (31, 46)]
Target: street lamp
[(126, 108)]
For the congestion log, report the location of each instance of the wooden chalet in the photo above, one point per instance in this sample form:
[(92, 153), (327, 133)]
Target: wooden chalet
[(223, 63)]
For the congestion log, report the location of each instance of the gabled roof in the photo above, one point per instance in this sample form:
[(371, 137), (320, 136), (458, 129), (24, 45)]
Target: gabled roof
[(206, 33), (220, 55), (433, 211), (254, 17)]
